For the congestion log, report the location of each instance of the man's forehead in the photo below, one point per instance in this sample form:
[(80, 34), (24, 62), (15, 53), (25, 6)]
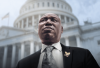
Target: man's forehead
[(50, 15)]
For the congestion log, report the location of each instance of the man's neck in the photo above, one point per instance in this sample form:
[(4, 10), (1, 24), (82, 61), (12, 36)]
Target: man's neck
[(48, 43)]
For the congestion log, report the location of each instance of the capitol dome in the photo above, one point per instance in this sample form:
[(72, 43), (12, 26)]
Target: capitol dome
[(32, 10)]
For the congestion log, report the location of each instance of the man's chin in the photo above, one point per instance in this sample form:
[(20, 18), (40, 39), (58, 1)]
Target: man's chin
[(48, 36)]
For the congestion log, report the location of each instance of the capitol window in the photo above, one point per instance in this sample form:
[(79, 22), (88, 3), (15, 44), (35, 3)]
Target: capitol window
[(9, 55), (58, 5), (38, 5), (99, 42), (26, 48), (72, 20), (65, 7), (30, 21), (62, 19), (61, 6), (36, 19), (67, 19), (43, 4), (48, 4), (53, 4)]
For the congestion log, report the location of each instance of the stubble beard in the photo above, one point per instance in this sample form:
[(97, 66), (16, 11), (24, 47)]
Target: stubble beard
[(48, 38)]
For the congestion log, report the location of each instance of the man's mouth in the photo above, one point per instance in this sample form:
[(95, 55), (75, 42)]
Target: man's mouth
[(48, 28)]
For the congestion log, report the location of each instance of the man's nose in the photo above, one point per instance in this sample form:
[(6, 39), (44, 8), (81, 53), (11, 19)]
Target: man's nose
[(48, 23)]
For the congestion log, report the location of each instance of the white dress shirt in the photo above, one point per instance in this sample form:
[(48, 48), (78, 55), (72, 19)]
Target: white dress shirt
[(57, 55)]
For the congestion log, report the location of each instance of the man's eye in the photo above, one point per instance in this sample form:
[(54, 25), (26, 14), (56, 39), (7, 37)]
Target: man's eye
[(42, 20), (53, 20)]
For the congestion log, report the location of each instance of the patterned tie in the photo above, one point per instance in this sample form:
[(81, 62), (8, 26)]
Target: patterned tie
[(48, 61)]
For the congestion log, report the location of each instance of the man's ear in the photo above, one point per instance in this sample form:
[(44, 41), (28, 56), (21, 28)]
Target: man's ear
[(61, 29)]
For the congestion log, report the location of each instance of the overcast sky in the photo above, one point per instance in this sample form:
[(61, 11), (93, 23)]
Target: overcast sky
[(82, 9)]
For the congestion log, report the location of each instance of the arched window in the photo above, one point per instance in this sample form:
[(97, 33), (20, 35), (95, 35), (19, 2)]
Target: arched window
[(72, 19), (58, 5), (65, 7), (61, 6), (67, 19), (53, 4), (30, 21), (38, 5), (62, 19), (43, 4), (48, 4), (36, 20)]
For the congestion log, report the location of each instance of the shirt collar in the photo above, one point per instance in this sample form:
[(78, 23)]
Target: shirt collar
[(56, 45)]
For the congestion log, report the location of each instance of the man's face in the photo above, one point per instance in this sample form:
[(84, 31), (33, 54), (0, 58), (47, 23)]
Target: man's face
[(50, 28)]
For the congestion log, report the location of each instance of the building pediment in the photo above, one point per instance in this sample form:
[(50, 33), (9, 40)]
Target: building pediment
[(6, 32)]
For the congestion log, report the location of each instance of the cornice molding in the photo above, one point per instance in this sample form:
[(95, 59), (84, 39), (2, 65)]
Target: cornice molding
[(90, 29), (19, 35), (13, 28)]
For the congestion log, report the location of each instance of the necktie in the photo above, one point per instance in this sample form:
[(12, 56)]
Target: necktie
[(48, 61)]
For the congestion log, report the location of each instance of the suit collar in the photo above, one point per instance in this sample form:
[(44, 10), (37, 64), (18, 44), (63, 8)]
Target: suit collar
[(67, 60), (56, 45)]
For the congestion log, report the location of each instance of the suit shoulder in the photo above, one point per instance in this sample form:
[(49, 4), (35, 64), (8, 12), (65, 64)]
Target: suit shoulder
[(78, 48), (30, 57)]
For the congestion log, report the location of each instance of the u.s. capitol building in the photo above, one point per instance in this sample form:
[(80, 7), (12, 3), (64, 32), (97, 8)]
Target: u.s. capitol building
[(22, 40)]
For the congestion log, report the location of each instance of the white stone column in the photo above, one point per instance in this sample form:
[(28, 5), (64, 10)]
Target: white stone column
[(18, 24), (31, 47), (22, 23), (27, 22), (37, 47), (22, 50), (67, 41), (65, 19), (13, 55), (5, 56), (78, 41), (33, 20)]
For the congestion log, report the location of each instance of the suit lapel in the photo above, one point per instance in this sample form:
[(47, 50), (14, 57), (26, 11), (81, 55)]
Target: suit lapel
[(67, 60)]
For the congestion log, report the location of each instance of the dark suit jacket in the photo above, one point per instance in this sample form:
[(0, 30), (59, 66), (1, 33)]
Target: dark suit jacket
[(78, 58)]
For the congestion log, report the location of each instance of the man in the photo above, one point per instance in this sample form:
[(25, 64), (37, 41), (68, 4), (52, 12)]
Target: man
[(53, 54)]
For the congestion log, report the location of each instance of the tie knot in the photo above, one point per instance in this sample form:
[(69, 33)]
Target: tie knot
[(49, 48)]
